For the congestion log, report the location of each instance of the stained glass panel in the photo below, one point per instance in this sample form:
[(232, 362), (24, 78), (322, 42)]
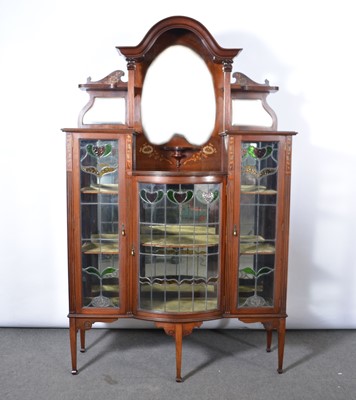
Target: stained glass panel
[(99, 223), (258, 213), (179, 237)]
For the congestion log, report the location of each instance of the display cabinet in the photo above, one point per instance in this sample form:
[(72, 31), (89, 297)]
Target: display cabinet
[(166, 226)]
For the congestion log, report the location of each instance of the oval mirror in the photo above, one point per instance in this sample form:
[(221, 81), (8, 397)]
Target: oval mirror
[(178, 97)]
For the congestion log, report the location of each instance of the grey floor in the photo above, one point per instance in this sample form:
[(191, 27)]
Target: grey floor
[(140, 364)]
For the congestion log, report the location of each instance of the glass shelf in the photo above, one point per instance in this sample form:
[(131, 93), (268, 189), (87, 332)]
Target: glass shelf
[(256, 189), (95, 188)]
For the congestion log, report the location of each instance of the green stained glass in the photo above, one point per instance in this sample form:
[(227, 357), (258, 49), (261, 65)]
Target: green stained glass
[(179, 197), (101, 300), (151, 197), (256, 274), (105, 273), (258, 152), (99, 151)]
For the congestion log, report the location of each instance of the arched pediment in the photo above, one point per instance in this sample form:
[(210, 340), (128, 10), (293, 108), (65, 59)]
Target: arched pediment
[(176, 29)]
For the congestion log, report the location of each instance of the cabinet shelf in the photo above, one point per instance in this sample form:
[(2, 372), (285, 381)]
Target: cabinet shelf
[(106, 243), (181, 241), (254, 189), (104, 248), (253, 248), (178, 236), (101, 189)]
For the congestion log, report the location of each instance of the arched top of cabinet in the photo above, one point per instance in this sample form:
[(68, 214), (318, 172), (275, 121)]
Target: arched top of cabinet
[(179, 30)]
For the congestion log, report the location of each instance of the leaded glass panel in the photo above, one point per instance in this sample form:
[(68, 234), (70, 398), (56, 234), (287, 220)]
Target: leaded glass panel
[(179, 235), (258, 212), (99, 222)]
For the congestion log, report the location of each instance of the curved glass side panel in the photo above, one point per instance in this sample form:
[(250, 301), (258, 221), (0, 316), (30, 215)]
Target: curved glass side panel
[(259, 169), (179, 236), (99, 223)]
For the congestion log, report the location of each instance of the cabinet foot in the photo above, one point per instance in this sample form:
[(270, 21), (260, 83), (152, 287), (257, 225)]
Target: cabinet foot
[(74, 372)]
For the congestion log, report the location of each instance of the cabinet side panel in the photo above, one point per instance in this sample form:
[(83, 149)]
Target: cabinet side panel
[(70, 233)]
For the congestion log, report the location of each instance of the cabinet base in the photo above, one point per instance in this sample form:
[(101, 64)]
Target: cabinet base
[(177, 330)]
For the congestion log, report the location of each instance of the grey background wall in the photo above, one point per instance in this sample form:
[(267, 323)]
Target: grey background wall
[(306, 48)]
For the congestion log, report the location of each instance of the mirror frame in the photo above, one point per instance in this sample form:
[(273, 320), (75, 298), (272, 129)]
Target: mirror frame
[(186, 32)]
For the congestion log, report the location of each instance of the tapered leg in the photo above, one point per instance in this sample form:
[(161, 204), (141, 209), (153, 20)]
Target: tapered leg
[(269, 340), (178, 338), (178, 330), (281, 339), (73, 344), (269, 329), (82, 340)]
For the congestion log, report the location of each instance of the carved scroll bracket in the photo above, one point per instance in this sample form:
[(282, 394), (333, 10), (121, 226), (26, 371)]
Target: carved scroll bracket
[(171, 328)]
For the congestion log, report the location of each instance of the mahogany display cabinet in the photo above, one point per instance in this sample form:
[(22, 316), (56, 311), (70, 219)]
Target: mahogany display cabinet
[(178, 230)]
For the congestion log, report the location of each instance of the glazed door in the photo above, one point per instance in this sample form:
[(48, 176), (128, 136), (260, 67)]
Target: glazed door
[(179, 248), (99, 196), (259, 265)]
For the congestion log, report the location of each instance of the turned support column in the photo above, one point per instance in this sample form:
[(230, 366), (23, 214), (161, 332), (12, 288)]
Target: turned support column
[(178, 330)]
